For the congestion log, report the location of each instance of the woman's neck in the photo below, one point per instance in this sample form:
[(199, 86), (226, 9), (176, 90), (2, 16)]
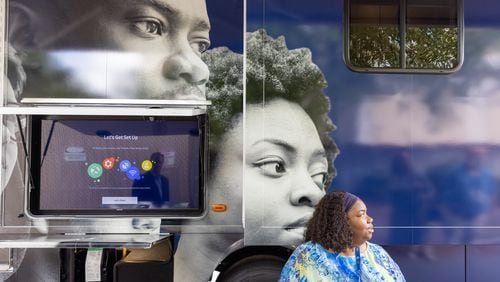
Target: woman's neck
[(351, 251)]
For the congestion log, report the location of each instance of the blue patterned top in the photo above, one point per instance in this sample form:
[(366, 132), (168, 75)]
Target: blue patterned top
[(310, 262)]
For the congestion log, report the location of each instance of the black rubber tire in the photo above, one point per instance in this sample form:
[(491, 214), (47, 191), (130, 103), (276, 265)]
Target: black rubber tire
[(258, 268)]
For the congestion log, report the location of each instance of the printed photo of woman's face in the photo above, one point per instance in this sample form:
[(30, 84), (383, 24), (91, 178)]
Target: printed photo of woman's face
[(285, 169)]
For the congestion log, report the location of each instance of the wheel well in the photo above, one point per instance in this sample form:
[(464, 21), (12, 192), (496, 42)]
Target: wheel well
[(245, 252)]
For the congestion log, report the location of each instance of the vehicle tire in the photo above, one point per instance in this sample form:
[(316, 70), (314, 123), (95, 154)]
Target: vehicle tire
[(258, 268)]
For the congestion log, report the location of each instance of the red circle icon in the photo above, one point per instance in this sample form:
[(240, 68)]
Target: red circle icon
[(108, 163)]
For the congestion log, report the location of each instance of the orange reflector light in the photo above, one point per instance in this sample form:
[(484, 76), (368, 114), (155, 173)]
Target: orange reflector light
[(219, 207)]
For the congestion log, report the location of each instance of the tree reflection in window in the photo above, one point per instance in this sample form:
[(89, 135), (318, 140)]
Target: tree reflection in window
[(403, 34), (374, 47), (431, 48)]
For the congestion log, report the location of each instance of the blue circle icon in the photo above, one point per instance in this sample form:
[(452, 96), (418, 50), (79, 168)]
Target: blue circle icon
[(133, 173), (125, 165)]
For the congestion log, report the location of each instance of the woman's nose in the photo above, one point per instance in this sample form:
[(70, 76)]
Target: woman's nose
[(305, 192), (369, 219)]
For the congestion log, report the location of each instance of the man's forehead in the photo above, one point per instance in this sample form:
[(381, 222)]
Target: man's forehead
[(195, 10), (191, 8)]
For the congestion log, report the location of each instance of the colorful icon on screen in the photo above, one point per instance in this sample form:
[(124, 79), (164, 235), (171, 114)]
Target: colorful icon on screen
[(94, 170), (125, 165), (108, 163), (133, 173), (146, 165)]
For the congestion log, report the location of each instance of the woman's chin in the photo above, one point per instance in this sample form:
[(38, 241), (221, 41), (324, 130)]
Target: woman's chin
[(291, 236)]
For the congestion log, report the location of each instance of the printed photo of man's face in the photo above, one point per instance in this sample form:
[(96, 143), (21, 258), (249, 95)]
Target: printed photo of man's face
[(126, 49)]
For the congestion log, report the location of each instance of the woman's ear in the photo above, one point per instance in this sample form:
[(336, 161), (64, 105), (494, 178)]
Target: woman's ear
[(21, 26)]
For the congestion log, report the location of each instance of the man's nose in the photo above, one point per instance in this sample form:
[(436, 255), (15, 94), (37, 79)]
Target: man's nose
[(186, 65), (305, 192)]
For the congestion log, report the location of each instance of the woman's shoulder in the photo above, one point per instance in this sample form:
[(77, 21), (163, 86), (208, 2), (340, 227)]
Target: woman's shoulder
[(307, 246), (373, 246), (376, 249), (370, 244), (380, 254), (309, 262), (306, 254), (382, 257), (311, 249)]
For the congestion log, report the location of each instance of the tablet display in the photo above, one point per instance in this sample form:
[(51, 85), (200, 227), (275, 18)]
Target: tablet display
[(105, 166)]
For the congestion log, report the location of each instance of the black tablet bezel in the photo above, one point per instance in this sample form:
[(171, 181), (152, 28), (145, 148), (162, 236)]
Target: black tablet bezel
[(35, 145)]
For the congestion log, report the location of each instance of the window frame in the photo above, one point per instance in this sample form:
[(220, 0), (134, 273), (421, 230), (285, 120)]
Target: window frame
[(402, 55)]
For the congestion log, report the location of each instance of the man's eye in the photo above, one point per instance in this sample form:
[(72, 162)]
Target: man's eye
[(273, 168), (148, 27), (200, 46)]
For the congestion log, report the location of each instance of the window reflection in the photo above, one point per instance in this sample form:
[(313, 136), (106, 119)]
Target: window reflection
[(431, 34), (403, 34), (374, 34)]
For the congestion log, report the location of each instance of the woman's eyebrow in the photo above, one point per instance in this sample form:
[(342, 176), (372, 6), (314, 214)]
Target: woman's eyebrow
[(319, 153), (278, 142)]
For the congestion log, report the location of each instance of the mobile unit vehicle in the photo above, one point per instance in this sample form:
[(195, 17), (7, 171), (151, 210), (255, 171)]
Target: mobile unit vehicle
[(413, 89)]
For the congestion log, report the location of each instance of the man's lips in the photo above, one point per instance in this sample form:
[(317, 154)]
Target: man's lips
[(191, 92)]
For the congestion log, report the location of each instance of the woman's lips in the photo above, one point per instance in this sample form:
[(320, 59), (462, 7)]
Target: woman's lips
[(296, 230), (298, 226)]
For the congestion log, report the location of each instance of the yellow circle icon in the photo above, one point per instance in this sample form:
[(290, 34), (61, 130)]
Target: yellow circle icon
[(146, 165)]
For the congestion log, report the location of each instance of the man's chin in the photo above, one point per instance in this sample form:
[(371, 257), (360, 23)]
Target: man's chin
[(187, 93), (189, 97)]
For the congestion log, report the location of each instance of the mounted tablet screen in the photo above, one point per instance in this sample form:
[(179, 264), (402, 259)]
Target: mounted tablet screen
[(127, 166)]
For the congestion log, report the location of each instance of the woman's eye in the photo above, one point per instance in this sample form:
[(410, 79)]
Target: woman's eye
[(148, 27), (363, 216), (320, 180), (272, 168)]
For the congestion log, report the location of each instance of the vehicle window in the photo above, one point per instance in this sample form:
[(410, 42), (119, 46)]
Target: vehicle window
[(403, 35)]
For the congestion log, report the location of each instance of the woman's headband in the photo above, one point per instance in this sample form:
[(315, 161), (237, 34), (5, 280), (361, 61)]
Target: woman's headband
[(348, 201)]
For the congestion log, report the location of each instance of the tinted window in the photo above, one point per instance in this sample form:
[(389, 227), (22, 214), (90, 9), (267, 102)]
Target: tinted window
[(403, 35)]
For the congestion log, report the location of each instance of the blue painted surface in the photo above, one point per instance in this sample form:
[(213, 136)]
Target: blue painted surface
[(421, 150), (433, 263), (226, 20), (482, 263)]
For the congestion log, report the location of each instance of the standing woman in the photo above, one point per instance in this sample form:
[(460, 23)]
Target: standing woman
[(337, 247)]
